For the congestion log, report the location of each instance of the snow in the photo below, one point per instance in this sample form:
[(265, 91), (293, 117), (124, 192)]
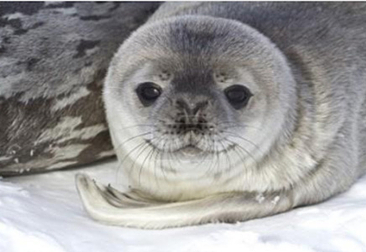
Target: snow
[(43, 213)]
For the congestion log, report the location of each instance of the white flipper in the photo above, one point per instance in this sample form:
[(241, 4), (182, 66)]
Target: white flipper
[(115, 208)]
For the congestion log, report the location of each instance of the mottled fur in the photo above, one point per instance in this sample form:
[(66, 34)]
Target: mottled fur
[(300, 140), (53, 60)]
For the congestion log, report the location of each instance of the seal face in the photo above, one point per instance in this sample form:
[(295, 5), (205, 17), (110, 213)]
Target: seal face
[(201, 109), (212, 120)]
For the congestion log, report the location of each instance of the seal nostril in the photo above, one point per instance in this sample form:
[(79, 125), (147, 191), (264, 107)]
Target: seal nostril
[(201, 121), (182, 120)]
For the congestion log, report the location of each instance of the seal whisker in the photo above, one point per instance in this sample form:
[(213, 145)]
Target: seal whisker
[(137, 148), (237, 125), (138, 125), (240, 155), (218, 153), (140, 153), (226, 155), (233, 134), (162, 168), (132, 138), (214, 152), (125, 142), (142, 164), (242, 148)]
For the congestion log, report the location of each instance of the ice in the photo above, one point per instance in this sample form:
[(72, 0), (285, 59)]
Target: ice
[(43, 213)]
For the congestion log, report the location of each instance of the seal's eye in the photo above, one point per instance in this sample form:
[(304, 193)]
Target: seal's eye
[(148, 92), (238, 96)]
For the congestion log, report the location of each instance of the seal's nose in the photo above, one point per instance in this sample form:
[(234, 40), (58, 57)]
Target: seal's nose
[(191, 116), (191, 108)]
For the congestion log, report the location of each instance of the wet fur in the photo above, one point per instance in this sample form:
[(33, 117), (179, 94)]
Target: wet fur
[(309, 96)]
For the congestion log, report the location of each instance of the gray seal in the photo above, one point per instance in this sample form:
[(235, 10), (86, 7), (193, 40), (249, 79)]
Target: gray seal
[(233, 111)]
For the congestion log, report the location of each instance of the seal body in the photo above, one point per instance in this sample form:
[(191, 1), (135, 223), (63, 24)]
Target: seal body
[(233, 111), (53, 61)]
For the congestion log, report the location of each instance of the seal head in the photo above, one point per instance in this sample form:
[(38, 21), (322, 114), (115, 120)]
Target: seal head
[(195, 100)]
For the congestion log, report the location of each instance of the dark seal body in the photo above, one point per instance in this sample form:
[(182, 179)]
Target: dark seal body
[(53, 60)]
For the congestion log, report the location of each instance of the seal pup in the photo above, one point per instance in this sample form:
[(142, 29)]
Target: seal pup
[(224, 112)]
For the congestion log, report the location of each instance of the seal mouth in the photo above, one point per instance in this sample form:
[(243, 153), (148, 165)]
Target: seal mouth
[(190, 150)]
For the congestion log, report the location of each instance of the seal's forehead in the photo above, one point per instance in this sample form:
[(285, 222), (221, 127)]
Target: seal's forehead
[(184, 37), (197, 68), (194, 42), (208, 36), (194, 38), (193, 51), (194, 77)]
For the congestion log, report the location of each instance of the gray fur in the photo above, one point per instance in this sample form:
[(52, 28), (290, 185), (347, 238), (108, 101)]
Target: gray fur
[(53, 60), (300, 140)]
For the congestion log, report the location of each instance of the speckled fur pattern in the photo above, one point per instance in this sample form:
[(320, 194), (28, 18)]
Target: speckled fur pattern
[(305, 64), (53, 60)]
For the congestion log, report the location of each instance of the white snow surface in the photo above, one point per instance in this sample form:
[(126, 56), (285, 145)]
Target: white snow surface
[(43, 213)]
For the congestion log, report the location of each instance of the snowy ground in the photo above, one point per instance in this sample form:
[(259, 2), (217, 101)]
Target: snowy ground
[(42, 213)]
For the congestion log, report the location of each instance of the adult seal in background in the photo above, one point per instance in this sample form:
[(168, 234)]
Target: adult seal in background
[(234, 111)]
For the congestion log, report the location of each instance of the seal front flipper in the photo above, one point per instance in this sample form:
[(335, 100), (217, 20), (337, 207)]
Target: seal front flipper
[(89, 192), (132, 198), (226, 207), (93, 195)]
